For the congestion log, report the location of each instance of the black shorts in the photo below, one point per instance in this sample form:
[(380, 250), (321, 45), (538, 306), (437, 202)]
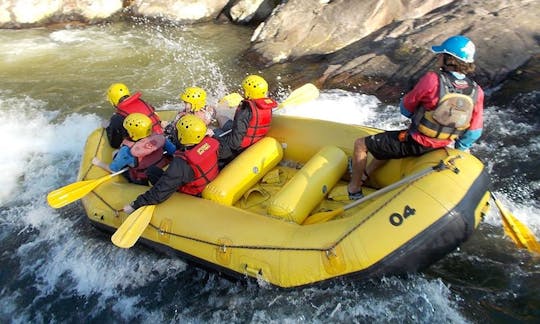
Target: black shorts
[(386, 146)]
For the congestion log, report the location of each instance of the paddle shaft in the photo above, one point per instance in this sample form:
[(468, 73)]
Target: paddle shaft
[(324, 216), (117, 172), (391, 187)]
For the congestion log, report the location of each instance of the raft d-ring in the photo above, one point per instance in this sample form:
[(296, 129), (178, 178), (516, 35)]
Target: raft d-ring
[(254, 272), (330, 253), (333, 260), (164, 230), (449, 162), (223, 251)]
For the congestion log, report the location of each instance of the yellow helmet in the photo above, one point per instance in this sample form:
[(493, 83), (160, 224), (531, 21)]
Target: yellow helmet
[(138, 126), (255, 87), (116, 92), (191, 130), (195, 96)]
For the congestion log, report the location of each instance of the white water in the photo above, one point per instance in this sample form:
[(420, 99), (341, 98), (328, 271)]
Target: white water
[(57, 257)]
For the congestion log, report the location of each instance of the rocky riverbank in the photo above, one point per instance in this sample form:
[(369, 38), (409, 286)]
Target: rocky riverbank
[(375, 46)]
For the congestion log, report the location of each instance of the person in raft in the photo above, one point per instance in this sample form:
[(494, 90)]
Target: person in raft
[(251, 121), (140, 150), (125, 104), (194, 99), (444, 107), (194, 165)]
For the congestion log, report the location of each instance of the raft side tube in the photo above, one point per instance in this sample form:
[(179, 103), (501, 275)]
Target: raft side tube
[(309, 185), (244, 172)]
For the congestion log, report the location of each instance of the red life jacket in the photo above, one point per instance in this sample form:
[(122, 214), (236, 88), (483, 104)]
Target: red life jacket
[(203, 159), (134, 104), (261, 118), (148, 151)]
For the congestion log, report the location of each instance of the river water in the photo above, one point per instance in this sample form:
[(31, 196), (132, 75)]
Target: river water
[(57, 268)]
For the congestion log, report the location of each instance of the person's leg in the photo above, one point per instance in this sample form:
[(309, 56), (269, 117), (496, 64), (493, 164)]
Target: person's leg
[(359, 161), (382, 146), (374, 165)]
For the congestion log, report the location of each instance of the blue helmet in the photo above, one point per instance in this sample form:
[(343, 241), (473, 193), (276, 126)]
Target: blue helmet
[(459, 47)]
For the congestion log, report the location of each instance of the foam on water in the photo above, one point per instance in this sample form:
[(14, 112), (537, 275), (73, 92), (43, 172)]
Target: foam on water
[(338, 106), (41, 154)]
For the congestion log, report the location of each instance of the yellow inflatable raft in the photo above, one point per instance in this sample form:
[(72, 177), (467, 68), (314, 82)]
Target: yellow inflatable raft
[(277, 213)]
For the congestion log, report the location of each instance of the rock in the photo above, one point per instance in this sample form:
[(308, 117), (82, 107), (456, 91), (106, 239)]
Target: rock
[(252, 11), (182, 11), (388, 61), (525, 80), (305, 27), (17, 14)]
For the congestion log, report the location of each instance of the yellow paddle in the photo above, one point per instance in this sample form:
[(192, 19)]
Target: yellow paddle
[(305, 93), (522, 236), (68, 194), (232, 99), (132, 228)]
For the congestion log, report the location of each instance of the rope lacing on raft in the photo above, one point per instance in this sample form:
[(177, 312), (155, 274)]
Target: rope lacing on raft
[(328, 249)]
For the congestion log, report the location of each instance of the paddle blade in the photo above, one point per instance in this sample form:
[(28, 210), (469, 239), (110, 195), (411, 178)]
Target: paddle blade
[(232, 99), (522, 236), (322, 216), (68, 194), (304, 94), (132, 228)]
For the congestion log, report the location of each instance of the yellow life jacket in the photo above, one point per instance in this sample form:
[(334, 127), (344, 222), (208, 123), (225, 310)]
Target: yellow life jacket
[(452, 116)]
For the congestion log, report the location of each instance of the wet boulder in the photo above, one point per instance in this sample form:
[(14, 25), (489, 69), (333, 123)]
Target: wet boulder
[(390, 60), (301, 28), (251, 11), (21, 14), (182, 11)]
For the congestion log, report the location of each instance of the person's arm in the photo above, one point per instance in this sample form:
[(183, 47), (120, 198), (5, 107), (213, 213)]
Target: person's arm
[(177, 174), (115, 131), (169, 147), (122, 159), (404, 111), (100, 164), (473, 133), (239, 129), (425, 94)]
